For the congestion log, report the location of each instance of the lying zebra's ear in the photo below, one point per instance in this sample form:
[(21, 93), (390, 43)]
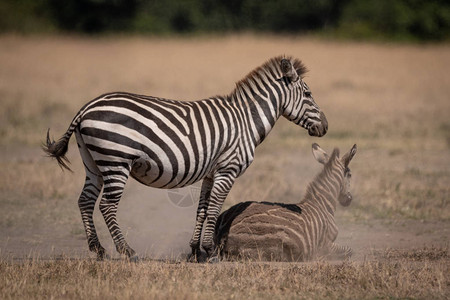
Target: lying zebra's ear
[(349, 155), (319, 154), (289, 70)]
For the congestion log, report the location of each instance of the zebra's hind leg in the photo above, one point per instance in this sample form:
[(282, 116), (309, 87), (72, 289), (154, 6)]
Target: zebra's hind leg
[(339, 252), (114, 183), (89, 195), (86, 203)]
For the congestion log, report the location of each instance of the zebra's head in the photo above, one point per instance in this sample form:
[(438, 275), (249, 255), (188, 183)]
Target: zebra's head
[(300, 107), (345, 197)]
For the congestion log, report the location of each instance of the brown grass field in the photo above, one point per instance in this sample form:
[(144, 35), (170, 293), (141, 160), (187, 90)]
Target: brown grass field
[(393, 101)]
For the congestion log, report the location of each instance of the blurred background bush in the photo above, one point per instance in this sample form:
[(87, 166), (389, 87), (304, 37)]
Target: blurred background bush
[(410, 20)]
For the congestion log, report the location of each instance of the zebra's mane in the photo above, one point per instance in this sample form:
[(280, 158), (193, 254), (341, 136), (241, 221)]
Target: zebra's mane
[(272, 67), (334, 159)]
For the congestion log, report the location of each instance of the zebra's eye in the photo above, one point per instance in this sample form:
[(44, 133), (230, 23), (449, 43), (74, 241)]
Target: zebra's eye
[(308, 94)]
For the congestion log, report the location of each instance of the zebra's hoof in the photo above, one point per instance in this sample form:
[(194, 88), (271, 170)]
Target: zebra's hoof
[(213, 259), (192, 258), (134, 259), (102, 256), (197, 257)]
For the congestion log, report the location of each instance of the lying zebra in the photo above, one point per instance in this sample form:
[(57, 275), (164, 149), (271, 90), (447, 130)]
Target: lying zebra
[(291, 232)]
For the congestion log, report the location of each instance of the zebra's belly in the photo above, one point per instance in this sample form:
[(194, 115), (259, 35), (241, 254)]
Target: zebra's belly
[(147, 172)]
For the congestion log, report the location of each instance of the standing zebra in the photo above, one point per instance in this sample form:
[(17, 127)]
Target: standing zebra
[(291, 232), (169, 144)]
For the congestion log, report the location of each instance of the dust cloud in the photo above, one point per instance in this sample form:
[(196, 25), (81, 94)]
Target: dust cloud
[(157, 223)]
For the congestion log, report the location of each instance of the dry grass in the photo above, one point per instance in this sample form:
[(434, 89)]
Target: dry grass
[(392, 100), (74, 279)]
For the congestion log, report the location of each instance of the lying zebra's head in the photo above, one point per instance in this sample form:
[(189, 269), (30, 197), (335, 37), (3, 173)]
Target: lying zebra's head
[(345, 197), (300, 107)]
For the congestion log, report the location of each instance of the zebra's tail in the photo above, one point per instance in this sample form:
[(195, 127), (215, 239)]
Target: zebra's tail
[(58, 149)]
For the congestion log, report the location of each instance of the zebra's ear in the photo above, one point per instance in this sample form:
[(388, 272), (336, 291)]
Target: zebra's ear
[(288, 70), (319, 154), (349, 155)]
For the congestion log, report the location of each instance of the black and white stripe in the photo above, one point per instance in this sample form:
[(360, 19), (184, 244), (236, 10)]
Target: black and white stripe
[(169, 144)]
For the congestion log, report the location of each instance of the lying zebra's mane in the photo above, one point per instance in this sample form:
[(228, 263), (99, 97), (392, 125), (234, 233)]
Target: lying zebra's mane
[(273, 67)]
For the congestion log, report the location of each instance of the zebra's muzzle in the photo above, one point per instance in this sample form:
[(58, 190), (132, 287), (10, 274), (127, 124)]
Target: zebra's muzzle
[(319, 129), (345, 199)]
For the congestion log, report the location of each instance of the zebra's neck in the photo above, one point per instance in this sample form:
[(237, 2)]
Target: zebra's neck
[(324, 190), (259, 104)]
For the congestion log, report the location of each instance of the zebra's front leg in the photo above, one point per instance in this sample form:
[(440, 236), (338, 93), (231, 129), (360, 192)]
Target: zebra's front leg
[(200, 219), (112, 192), (221, 187)]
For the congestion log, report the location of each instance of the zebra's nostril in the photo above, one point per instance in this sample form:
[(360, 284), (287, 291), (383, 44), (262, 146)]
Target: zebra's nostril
[(314, 130)]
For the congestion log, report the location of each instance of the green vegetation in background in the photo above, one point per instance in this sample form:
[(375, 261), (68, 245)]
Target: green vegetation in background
[(360, 19), (26, 16), (400, 20)]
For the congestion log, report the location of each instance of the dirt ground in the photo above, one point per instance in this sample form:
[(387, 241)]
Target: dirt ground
[(392, 100)]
